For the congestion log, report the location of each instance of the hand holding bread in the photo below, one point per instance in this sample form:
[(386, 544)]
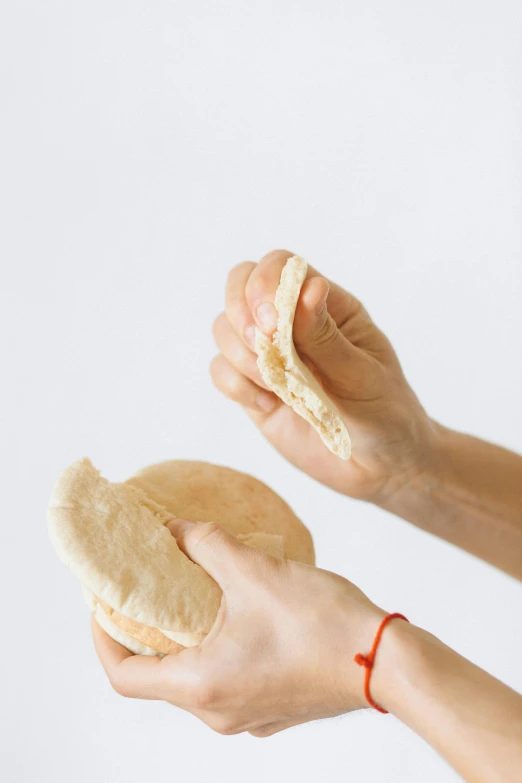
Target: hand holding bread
[(278, 654), (202, 580), (352, 363)]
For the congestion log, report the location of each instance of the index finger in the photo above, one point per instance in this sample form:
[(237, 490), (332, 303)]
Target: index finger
[(251, 286), (264, 280)]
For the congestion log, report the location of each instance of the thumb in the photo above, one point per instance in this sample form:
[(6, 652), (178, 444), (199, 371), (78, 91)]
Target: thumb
[(342, 367), (213, 548)]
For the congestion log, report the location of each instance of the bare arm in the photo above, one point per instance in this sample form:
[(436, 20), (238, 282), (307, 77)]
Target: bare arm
[(282, 653), (470, 495), (455, 486), (470, 718)]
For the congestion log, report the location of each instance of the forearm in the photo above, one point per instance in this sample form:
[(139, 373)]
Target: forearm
[(470, 718), (470, 495)]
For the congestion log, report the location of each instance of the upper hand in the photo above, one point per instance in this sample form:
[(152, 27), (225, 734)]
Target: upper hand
[(356, 364)]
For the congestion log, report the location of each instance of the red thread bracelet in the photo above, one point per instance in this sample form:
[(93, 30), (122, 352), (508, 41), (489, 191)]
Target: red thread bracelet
[(368, 660)]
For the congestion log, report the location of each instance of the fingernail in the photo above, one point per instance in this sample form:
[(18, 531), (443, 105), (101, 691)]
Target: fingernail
[(266, 314), (266, 401), (250, 336), (321, 304)]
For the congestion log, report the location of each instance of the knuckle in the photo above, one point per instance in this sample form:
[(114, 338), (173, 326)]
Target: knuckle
[(226, 726), (263, 283), (228, 380), (326, 333), (204, 534), (207, 535), (235, 385), (237, 313), (217, 326), (118, 685), (238, 354), (260, 733), (240, 270), (215, 369), (208, 530), (205, 696), (277, 255)]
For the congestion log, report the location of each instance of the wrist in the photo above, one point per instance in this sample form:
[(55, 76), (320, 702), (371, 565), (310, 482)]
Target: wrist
[(391, 671), (404, 662), (416, 485), (352, 632), (471, 719)]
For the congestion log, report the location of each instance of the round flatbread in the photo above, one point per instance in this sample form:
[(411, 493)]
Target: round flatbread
[(113, 537)]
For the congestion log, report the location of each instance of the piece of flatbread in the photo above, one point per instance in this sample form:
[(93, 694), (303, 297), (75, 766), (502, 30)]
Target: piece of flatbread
[(134, 576), (287, 376), (113, 538)]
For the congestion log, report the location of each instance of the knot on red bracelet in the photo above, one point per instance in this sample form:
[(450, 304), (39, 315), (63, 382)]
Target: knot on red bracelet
[(368, 660), (364, 660)]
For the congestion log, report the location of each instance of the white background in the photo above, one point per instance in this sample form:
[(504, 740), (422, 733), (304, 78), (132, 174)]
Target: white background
[(146, 148)]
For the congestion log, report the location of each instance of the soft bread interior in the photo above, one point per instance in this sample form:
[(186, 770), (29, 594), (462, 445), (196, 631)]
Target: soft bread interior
[(116, 633), (152, 638), (287, 376)]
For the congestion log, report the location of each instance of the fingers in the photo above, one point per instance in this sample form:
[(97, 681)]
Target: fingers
[(251, 285), (332, 332), (261, 288), (235, 351), (250, 295), (179, 679), (175, 678), (136, 676), (313, 296), (109, 652), (239, 388), (263, 281), (346, 370), (317, 337), (216, 550), (236, 305)]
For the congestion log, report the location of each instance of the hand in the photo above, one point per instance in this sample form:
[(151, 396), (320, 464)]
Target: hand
[(334, 335), (280, 652)]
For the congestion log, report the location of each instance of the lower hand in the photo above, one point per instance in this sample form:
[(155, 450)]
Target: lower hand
[(281, 650)]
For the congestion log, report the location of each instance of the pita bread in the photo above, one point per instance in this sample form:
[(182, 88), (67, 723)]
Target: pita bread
[(134, 575), (243, 505), (285, 374), (134, 645)]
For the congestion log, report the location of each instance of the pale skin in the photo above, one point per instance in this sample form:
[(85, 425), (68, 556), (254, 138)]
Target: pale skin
[(281, 651)]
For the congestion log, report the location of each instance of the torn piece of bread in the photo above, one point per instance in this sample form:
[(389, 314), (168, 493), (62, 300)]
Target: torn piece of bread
[(143, 590), (113, 538), (287, 376)]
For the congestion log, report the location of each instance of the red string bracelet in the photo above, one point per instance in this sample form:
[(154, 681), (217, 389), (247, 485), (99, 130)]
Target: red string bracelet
[(368, 660)]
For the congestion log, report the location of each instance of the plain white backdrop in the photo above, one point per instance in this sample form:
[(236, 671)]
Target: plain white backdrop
[(146, 148)]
